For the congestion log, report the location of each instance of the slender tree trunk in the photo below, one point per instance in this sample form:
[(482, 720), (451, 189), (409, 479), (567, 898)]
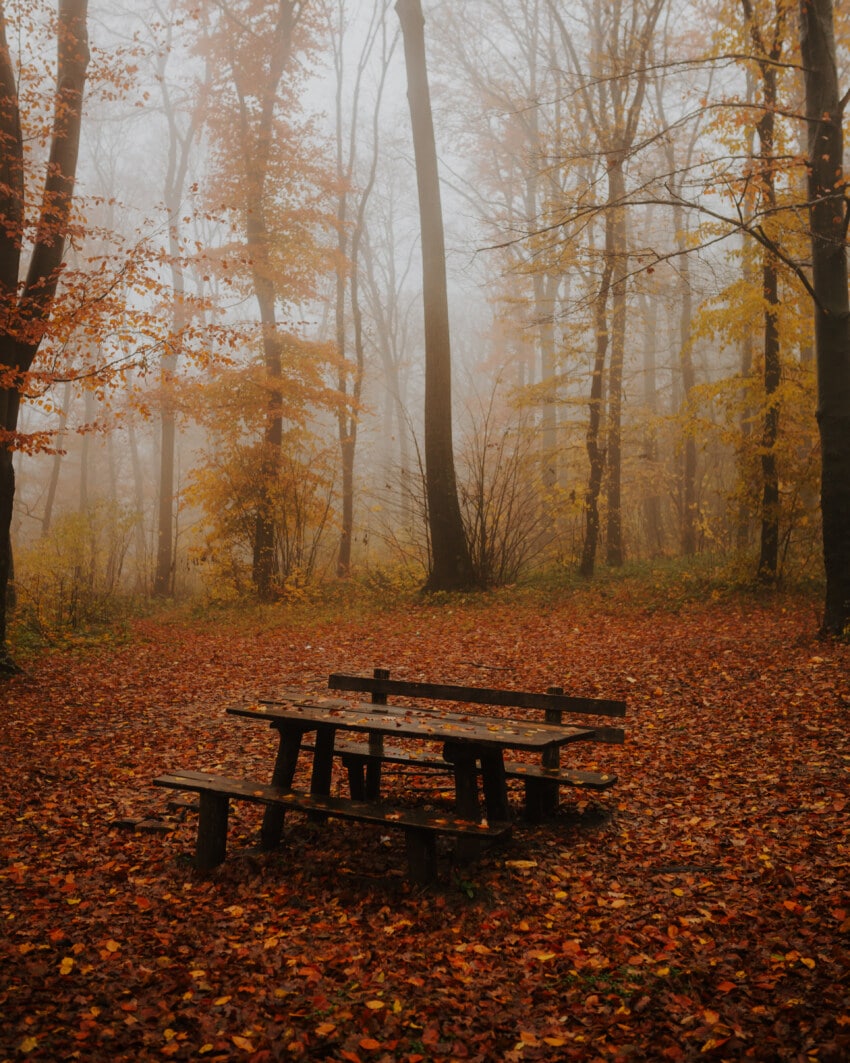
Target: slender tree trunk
[(545, 289), (689, 378), (615, 552), (595, 449), (828, 222), (142, 573), (451, 566), (652, 500), (768, 567), (56, 465)]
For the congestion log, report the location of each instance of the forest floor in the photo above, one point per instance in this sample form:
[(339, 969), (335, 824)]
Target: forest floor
[(699, 910)]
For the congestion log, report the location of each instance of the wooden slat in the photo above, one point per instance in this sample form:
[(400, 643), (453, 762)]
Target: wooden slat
[(592, 780), (344, 808), (482, 730), (476, 695)]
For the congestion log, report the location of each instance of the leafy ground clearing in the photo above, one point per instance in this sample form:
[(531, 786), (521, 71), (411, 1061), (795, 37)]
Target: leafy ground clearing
[(699, 910)]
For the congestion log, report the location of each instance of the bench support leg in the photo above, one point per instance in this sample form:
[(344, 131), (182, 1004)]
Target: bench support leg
[(284, 772), (421, 846), (463, 761), (211, 846), (495, 786), (356, 776), (323, 761), (541, 799)]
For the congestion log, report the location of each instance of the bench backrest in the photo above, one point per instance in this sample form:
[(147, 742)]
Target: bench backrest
[(554, 703)]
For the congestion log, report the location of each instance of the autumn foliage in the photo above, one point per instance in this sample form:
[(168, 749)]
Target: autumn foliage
[(697, 911)]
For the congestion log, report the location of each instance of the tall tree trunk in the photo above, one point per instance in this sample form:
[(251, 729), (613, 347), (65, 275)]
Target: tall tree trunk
[(451, 565), (768, 568), (689, 378), (828, 222), (595, 449), (28, 308), (180, 141), (652, 499), (615, 552), (769, 53)]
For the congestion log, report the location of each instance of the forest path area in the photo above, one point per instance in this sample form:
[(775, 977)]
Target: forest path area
[(699, 910)]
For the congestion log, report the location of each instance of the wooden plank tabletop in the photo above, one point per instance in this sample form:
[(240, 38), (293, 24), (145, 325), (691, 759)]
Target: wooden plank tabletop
[(414, 723)]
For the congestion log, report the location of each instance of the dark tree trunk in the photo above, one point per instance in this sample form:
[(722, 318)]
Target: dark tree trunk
[(27, 310), (768, 567), (689, 378), (828, 221), (595, 449), (451, 566)]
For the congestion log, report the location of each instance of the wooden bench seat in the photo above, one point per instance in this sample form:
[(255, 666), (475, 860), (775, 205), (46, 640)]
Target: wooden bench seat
[(590, 780), (421, 828)]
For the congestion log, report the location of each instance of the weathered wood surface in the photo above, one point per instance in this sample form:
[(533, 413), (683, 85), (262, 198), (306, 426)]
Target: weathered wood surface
[(591, 780), (217, 791), (417, 723), (477, 695)]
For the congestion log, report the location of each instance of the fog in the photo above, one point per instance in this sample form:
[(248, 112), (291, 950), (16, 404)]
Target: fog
[(247, 197)]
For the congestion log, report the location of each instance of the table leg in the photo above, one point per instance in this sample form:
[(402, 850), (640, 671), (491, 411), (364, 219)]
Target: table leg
[(463, 760), (288, 750), (323, 760), (373, 766), (495, 785)]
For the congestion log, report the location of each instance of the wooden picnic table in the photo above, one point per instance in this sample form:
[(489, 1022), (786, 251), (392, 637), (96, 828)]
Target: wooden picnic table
[(469, 740)]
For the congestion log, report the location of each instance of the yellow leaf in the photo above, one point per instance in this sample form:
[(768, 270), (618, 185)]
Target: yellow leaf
[(325, 1029), (66, 966), (375, 1005), (808, 961), (221, 1000), (555, 1042), (543, 956), (242, 1042), (112, 946), (521, 863), (28, 1044)]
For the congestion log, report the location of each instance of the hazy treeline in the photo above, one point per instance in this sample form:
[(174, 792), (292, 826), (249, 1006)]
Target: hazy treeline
[(624, 192)]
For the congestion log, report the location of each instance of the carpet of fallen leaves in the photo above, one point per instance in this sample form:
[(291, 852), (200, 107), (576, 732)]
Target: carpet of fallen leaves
[(699, 910)]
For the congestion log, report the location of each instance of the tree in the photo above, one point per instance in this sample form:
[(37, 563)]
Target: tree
[(451, 565), (828, 218), (612, 94), (26, 304), (349, 242), (768, 48), (268, 179), (181, 138)]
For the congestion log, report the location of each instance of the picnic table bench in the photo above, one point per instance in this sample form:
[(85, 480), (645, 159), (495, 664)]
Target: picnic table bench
[(543, 780), (472, 749)]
